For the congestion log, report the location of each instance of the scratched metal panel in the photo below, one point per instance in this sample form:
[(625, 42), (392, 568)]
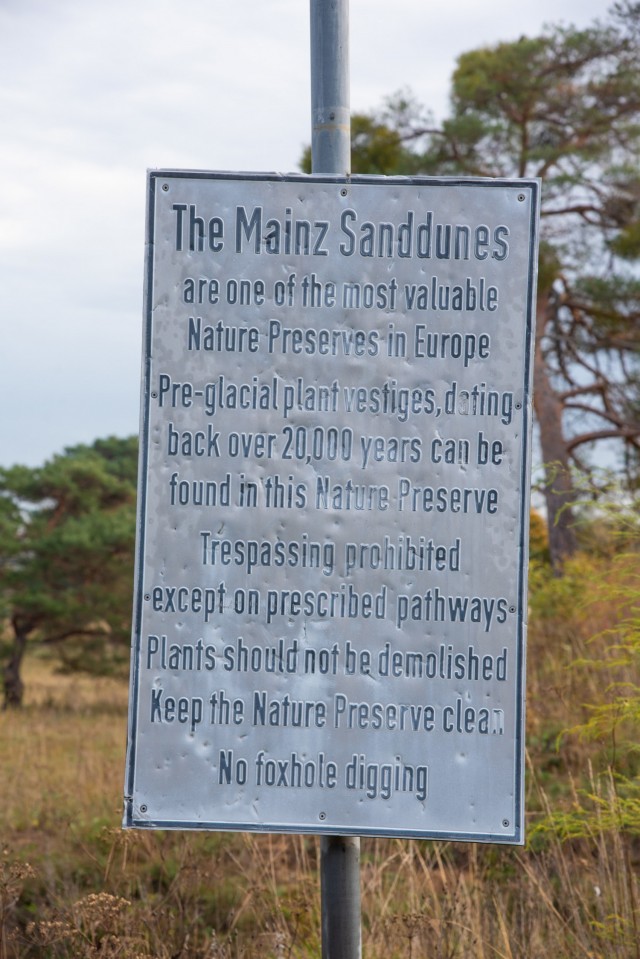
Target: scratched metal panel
[(330, 601)]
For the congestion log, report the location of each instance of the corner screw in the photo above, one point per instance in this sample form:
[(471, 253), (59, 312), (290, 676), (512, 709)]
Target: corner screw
[(521, 197), (506, 823), (143, 808), (165, 187)]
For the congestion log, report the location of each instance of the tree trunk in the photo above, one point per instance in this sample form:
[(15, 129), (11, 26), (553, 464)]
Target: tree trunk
[(12, 679), (559, 490)]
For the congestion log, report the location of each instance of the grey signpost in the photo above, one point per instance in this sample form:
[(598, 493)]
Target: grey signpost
[(330, 600), (331, 153)]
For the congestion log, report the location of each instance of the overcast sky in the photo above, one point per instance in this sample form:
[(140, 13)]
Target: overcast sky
[(95, 92)]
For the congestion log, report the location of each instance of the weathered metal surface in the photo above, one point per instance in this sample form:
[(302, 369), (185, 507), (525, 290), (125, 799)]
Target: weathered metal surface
[(331, 588)]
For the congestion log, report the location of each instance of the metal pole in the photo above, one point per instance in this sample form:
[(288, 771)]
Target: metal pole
[(330, 114), (340, 883), (331, 153)]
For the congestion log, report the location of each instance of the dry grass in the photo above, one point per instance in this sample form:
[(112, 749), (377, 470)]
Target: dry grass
[(73, 884)]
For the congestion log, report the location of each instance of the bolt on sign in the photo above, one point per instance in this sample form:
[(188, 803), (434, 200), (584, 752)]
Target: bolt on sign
[(330, 605)]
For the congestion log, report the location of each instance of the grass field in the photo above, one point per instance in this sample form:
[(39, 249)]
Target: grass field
[(73, 884)]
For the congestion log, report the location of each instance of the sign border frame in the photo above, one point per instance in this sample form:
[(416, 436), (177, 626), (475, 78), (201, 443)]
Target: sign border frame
[(516, 834)]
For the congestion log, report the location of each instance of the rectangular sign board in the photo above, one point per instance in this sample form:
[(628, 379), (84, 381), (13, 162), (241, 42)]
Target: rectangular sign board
[(330, 605)]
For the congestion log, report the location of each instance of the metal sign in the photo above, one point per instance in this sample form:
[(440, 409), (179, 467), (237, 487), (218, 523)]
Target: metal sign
[(331, 587)]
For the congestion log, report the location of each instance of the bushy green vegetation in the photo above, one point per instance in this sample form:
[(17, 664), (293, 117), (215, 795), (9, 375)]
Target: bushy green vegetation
[(67, 532)]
